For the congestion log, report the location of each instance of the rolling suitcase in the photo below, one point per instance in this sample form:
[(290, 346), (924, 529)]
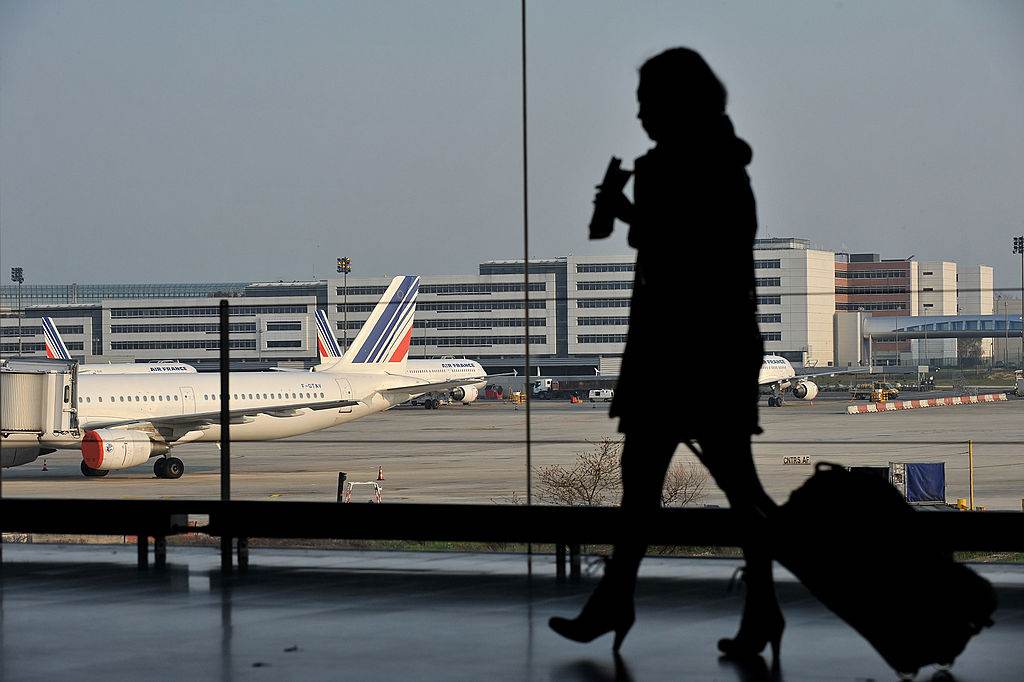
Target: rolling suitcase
[(839, 533)]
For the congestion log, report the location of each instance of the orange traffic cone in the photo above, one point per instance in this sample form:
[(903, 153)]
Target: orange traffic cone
[(380, 473), (44, 466)]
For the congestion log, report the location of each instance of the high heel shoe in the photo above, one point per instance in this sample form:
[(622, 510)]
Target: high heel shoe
[(595, 621), (753, 636)]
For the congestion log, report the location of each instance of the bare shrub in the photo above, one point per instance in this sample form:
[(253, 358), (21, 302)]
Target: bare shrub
[(684, 484), (594, 480)]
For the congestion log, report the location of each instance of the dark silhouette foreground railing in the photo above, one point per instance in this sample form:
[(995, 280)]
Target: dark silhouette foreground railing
[(237, 521)]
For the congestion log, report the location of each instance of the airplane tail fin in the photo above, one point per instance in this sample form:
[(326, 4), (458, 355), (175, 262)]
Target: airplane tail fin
[(385, 337), (55, 347), (326, 342)]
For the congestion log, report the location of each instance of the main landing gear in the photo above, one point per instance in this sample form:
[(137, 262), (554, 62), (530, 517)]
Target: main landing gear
[(168, 467), (775, 401), (93, 473)]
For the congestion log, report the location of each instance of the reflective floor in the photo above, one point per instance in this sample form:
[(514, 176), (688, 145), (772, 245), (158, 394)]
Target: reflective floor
[(86, 612)]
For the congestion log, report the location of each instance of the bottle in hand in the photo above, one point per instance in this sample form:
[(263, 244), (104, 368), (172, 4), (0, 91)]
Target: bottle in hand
[(603, 219)]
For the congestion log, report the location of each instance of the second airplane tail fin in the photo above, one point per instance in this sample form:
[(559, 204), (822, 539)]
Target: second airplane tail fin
[(55, 347)]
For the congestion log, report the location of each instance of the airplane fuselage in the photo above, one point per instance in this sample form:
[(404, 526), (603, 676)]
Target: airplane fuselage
[(775, 370), (104, 398)]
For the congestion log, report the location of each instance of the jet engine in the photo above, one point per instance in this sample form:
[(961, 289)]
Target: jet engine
[(106, 449), (12, 457), (465, 394), (805, 390)]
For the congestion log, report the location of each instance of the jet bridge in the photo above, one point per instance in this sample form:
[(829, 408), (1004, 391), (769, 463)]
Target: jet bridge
[(38, 400)]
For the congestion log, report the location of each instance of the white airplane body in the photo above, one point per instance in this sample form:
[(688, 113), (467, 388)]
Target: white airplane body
[(779, 375), (57, 349), (125, 420)]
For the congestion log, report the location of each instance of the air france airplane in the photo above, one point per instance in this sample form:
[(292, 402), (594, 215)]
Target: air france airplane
[(125, 420), (428, 370), (57, 349), (778, 374)]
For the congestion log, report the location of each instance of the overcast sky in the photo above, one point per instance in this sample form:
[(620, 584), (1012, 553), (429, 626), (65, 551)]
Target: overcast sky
[(207, 141)]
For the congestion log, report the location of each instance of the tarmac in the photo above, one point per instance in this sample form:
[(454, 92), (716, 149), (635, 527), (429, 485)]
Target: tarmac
[(477, 454), (86, 613)]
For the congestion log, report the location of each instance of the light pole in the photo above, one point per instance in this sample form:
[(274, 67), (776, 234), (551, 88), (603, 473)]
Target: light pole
[(344, 267), (18, 276), (1018, 247)]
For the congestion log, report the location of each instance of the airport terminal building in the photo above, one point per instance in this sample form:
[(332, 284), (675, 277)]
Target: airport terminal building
[(578, 315), (808, 298)]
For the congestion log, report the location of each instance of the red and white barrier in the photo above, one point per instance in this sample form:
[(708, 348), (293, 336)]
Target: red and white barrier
[(894, 405)]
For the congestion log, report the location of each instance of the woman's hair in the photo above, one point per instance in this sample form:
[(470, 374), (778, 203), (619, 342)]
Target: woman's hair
[(679, 81)]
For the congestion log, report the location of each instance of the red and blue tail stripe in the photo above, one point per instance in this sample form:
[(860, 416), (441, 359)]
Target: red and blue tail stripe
[(55, 347), (327, 343), (389, 336)]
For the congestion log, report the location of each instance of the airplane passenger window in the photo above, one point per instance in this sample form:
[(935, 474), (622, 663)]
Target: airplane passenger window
[(160, 397), (88, 400), (264, 396), (99, 398), (79, 398), (206, 397), (122, 399), (168, 397), (145, 398)]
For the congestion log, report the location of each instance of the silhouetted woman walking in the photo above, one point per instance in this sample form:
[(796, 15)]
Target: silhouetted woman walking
[(693, 223)]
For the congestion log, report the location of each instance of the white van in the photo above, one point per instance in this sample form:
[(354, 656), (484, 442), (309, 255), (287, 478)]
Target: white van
[(601, 395)]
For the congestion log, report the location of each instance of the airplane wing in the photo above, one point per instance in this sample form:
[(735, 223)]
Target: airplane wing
[(421, 387), (204, 419), (830, 372)]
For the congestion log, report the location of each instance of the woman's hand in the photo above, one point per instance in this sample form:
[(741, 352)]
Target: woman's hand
[(614, 203)]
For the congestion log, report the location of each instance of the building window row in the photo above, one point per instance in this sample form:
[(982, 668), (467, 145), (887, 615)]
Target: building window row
[(884, 305), (602, 303), (604, 286), (478, 306), (459, 324), (290, 326), (33, 331), (206, 311), (601, 338), (364, 307), (769, 300), (210, 327), (241, 344), (872, 274), (771, 336), (768, 281), (362, 291), (769, 318), (770, 264), (602, 321), (482, 288), (25, 347), (465, 341), (873, 290), (284, 344), (605, 267)]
